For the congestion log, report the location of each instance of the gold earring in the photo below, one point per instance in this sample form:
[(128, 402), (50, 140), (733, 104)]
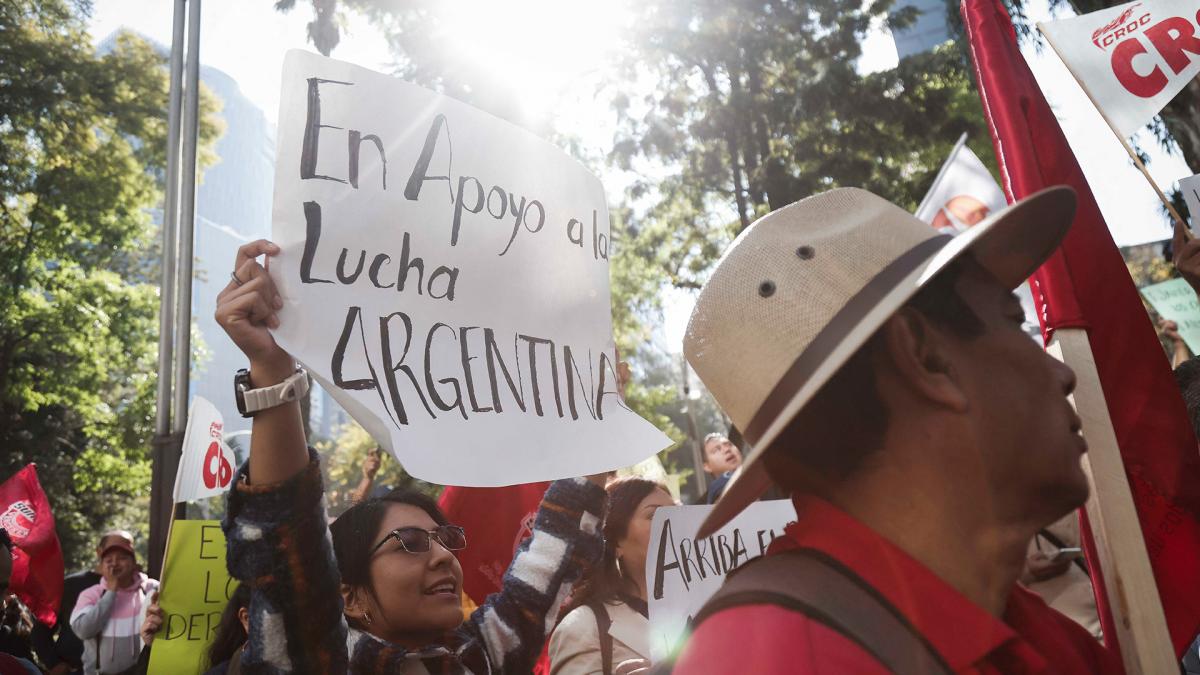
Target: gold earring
[(367, 617)]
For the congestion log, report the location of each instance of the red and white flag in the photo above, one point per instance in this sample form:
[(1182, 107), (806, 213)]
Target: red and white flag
[(963, 193), (37, 576), (207, 465), (1085, 284), (1131, 59)]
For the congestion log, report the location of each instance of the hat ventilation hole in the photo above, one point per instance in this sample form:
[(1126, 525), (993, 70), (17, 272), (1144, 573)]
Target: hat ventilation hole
[(805, 252), (766, 289)]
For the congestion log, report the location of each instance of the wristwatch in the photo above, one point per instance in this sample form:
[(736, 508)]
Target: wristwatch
[(251, 401)]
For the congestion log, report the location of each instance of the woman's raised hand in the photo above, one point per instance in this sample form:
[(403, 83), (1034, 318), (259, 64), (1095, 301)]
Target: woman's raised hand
[(247, 307)]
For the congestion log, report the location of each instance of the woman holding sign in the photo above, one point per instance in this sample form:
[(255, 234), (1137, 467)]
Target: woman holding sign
[(385, 595), (607, 628)]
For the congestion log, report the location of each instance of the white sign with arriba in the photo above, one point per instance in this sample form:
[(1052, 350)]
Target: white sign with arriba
[(1132, 59), (445, 278), (683, 572)]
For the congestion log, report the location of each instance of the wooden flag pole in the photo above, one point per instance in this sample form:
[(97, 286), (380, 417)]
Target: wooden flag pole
[(1124, 141), (1141, 626)]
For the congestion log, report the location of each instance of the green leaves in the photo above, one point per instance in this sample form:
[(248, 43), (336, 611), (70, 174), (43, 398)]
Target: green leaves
[(82, 142)]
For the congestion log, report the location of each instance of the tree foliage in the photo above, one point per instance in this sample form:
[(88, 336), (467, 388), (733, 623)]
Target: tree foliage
[(757, 105), (82, 144)]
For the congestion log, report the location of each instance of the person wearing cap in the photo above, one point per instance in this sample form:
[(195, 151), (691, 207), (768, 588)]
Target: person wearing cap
[(63, 653), (108, 616), (924, 439)]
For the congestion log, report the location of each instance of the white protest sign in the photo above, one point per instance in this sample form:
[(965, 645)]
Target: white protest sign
[(445, 278), (1131, 59), (207, 463), (1175, 300), (682, 573), (1190, 187)]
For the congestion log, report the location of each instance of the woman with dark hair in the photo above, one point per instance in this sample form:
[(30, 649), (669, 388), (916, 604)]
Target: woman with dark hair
[(606, 627), (389, 571), (225, 652)]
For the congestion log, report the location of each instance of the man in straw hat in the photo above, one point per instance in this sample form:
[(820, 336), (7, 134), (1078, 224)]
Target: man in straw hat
[(886, 384)]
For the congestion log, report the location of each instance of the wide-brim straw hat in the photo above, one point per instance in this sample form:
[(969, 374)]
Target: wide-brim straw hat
[(803, 288)]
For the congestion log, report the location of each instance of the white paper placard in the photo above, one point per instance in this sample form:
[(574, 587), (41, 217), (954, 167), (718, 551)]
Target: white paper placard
[(1190, 187), (1132, 59), (1174, 300), (445, 278), (682, 573)]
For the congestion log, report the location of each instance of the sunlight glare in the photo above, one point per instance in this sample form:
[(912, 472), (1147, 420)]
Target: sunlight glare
[(538, 48)]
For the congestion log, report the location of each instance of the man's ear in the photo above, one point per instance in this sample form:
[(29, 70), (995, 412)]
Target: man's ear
[(920, 356)]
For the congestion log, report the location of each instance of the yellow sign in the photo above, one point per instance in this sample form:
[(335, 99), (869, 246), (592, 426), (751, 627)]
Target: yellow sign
[(195, 590)]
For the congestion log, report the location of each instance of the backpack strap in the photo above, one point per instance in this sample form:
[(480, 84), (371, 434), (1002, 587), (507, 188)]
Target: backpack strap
[(603, 623), (826, 591)]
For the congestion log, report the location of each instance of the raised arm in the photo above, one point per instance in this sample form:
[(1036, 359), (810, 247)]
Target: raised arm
[(567, 538), (92, 611), (275, 525), (246, 309)]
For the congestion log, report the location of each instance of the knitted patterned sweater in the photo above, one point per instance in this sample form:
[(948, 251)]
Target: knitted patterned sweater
[(279, 544)]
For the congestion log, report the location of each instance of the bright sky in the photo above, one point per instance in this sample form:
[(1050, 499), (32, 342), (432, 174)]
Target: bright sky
[(552, 51)]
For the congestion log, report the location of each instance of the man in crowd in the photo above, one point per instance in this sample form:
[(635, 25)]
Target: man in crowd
[(108, 616), (887, 385), (721, 459), (63, 653)]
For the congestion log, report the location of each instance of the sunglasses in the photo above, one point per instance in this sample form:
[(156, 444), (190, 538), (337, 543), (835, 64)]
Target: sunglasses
[(416, 540)]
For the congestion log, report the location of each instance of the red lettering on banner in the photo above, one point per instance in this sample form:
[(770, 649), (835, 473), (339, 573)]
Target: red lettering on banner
[(1146, 86), (1106, 31), (217, 470), (1174, 38)]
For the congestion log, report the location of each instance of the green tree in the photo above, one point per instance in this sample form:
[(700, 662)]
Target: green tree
[(82, 143), (759, 104)]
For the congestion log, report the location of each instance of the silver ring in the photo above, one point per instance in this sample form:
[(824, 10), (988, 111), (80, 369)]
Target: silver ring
[(235, 278)]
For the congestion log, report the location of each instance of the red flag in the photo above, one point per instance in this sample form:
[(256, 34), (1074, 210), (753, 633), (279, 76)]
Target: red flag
[(1085, 284), (37, 577), (497, 520)]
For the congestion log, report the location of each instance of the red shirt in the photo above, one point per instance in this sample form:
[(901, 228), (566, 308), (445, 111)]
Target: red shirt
[(767, 639)]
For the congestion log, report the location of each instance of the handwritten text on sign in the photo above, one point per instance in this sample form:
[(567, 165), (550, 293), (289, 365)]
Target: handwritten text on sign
[(445, 275), (682, 572), (1175, 301), (195, 589)]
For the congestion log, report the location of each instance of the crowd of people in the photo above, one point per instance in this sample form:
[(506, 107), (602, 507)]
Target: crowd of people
[(927, 444)]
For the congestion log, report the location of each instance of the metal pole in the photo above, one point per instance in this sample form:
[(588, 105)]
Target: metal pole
[(170, 221), (187, 220), (165, 446), (697, 450)]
